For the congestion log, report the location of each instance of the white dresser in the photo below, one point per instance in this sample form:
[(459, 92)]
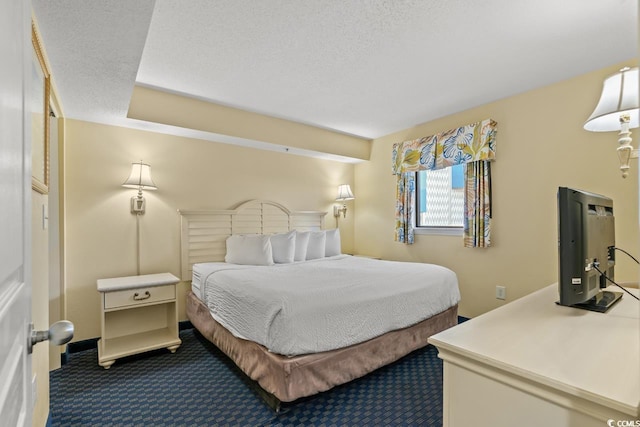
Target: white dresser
[(138, 314), (535, 363)]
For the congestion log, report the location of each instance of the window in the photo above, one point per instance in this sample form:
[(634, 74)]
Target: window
[(440, 197)]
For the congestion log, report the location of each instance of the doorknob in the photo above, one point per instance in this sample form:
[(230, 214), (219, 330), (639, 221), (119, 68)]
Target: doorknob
[(58, 334)]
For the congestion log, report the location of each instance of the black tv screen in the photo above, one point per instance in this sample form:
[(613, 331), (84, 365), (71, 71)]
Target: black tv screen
[(586, 242)]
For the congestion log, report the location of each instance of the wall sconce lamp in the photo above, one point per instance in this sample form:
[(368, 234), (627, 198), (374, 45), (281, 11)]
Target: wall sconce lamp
[(139, 178), (617, 109), (344, 194)]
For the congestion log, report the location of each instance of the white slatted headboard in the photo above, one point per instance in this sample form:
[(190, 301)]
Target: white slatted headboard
[(203, 234)]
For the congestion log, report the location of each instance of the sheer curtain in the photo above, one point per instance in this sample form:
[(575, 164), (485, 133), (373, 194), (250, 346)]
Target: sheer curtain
[(471, 145)]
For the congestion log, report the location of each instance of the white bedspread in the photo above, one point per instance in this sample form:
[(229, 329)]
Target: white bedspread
[(324, 304)]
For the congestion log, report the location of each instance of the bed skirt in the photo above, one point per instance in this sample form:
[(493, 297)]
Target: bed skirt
[(290, 378)]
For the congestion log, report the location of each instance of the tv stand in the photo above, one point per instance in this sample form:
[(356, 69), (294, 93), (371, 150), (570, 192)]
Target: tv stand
[(534, 363), (601, 302)]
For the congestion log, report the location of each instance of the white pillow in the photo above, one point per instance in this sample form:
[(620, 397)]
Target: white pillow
[(302, 241), (249, 249), (283, 246), (332, 246), (317, 241)]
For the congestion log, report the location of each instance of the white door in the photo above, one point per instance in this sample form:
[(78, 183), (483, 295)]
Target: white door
[(15, 212)]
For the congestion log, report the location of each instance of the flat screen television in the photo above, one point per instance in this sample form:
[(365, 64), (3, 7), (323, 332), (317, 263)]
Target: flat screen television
[(586, 248)]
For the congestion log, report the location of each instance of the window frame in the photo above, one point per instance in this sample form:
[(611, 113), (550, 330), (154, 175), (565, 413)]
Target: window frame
[(439, 231), (436, 230)]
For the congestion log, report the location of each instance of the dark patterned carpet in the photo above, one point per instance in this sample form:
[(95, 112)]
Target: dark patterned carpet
[(200, 386)]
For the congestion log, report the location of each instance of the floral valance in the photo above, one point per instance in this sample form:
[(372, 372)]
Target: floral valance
[(465, 144)]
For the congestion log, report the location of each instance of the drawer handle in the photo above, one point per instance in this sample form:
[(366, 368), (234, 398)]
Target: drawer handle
[(137, 297)]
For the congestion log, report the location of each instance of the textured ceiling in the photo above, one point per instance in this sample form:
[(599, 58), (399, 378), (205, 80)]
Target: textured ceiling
[(94, 49), (363, 67)]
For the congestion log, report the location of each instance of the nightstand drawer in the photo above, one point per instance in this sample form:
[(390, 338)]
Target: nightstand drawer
[(137, 296)]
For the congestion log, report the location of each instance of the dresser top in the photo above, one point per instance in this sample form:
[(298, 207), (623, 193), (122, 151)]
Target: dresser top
[(583, 353), (135, 282)]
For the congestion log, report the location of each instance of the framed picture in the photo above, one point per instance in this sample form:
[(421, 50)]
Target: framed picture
[(39, 118)]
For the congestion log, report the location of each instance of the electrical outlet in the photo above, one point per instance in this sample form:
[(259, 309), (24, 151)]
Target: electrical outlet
[(501, 292)]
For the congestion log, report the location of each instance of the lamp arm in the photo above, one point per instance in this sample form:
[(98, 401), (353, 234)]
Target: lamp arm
[(337, 209), (138, 203), (625, 149)]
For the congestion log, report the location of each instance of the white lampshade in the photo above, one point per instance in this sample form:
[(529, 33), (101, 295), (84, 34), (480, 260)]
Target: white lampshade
[(140, 177), (619, 96), (344, 193)]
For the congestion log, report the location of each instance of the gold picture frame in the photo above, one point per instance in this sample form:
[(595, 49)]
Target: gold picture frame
[(39, 117)]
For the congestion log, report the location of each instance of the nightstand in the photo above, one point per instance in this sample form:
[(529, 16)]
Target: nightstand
[(138, 314)]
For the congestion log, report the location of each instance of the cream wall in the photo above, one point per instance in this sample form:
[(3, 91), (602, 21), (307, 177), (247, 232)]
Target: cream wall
[(152, 105), (190, 174), (540, 145)]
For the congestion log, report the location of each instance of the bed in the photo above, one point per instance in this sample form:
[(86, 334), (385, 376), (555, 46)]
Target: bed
[(262, 316)]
